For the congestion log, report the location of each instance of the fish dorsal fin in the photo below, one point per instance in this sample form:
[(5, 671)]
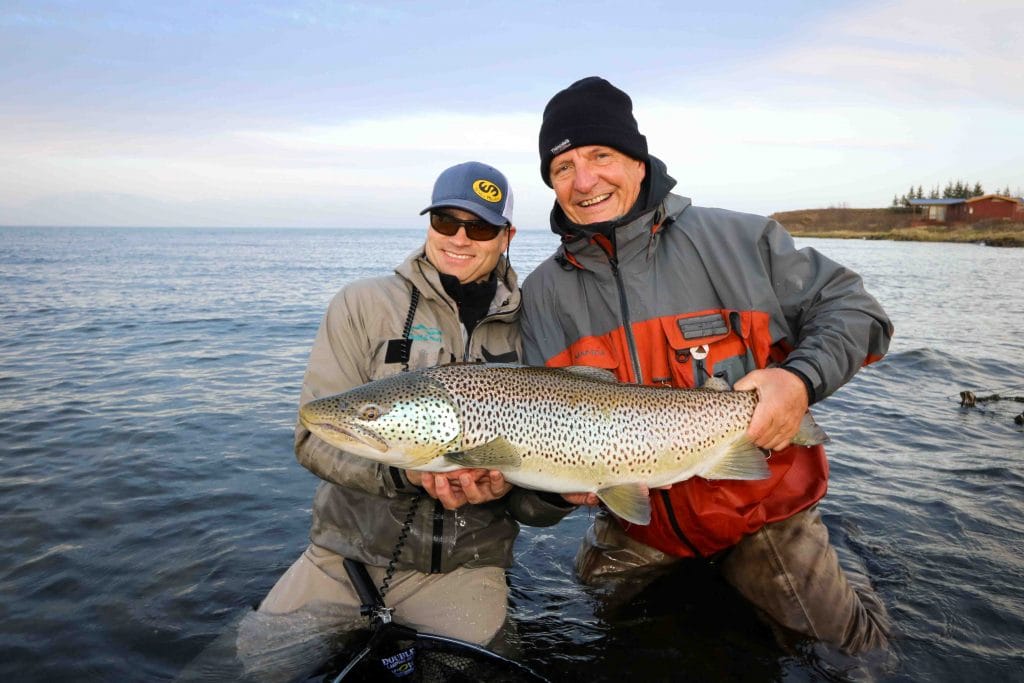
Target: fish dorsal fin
[(810, 434), (716, 384), (631, 502), (496, 453), (743, 460), (599, 374)]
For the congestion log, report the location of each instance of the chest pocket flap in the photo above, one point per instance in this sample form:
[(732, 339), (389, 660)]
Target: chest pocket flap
[(687, 332)]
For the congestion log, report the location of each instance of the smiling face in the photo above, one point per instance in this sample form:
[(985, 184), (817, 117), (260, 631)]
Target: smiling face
[(595, 183), (461, 257)]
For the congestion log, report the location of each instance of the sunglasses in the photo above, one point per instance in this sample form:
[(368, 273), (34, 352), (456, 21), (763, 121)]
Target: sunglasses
[(478, 231)]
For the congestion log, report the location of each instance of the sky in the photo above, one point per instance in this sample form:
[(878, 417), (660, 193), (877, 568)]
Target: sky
[(341, 114)]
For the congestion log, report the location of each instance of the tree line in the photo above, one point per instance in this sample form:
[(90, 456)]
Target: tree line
[(957, 190)]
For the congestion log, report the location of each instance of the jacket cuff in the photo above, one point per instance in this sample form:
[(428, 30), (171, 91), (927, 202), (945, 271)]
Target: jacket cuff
[(400, 481), (537, 508), (808, 384)]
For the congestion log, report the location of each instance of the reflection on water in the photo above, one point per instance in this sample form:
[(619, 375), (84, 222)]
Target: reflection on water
[(269, 648), (148, 382)]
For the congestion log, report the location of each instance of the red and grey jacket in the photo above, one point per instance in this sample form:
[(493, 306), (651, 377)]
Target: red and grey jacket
[(682, 293)]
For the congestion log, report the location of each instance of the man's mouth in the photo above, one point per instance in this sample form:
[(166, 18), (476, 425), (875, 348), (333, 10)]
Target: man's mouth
[(595, 200), (452, 254)]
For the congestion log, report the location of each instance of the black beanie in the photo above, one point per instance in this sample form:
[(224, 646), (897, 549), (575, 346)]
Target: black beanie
[(591, 111)]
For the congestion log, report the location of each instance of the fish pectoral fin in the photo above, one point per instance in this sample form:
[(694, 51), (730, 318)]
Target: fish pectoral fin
[(742, 460), (810, 434), (494, 454), (631, 502), (590, 372)]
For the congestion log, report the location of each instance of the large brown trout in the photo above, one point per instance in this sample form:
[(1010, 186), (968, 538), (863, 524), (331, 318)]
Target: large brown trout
[(564, 430)]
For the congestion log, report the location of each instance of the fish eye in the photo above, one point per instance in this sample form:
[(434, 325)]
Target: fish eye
[(370, 411)]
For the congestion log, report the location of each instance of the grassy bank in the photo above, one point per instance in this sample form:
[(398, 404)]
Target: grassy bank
[(884, 224)]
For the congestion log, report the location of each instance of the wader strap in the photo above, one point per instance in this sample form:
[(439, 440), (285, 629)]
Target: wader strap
[(369, 597)]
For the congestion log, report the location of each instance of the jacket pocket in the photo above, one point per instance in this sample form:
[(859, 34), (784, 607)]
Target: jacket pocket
[(707, 344), (423, 353)]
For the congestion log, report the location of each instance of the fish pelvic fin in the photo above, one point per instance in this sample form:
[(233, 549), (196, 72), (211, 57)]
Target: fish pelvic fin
[(631, 502), (742, 460), (495, 454), (809, 433)]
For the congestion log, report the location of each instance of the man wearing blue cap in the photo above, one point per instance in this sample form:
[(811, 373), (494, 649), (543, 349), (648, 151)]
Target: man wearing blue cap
[(666, 293), (454, 299)]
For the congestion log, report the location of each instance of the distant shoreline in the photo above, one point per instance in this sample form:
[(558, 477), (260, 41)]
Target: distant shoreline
[(886, 224)]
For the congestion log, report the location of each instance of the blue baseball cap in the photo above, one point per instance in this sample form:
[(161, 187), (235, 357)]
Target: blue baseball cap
[(474, 187)]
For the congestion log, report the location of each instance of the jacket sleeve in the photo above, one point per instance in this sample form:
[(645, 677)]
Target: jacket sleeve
[(339, 361), (835, 326), (540, 324), (537, 509)]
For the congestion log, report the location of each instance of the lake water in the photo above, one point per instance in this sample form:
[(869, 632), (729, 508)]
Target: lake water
[(149, 494)]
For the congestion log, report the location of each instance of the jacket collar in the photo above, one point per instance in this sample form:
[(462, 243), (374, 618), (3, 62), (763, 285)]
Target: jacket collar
[(421, 273)]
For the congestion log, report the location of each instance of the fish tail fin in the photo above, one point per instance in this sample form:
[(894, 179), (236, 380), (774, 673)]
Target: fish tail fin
[(810, 434), (631, 502), (742, 460)]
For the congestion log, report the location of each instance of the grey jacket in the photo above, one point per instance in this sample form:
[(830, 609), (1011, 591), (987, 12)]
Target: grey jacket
[(360, 507), (681, 259)]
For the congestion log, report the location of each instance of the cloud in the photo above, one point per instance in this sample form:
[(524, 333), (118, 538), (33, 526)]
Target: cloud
[(352, 173), (848, 109), (420, 132), (912, 51)]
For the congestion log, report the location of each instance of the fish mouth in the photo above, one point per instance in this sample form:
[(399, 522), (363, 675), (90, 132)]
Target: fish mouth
[(348, 434)]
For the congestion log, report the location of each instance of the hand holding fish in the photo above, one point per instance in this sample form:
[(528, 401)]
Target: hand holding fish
[(781, 405), (459, 487)]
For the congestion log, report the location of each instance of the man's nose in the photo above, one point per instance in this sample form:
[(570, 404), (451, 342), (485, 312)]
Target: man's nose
[(461, 237), (584, 179)]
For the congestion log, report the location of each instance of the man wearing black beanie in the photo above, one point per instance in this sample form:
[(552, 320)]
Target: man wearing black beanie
[(663, 292), (591, 111)]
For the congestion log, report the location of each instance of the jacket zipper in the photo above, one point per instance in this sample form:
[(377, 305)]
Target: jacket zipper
[(700, 373), (437, 534), (638, 374), (627, 325), (667, 501)]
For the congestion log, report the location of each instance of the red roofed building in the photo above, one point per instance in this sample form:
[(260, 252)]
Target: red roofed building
[(990, 206)]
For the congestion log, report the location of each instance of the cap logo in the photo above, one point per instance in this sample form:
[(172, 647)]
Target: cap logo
[(487, 191), (561, 146)]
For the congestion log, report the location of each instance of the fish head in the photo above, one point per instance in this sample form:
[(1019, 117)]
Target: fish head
[(405, 420)]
